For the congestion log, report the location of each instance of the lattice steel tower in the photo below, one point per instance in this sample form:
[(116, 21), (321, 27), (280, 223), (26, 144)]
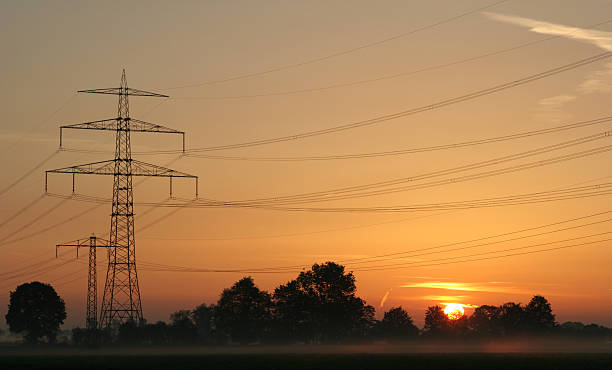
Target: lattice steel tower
[(93, 242), (121, 300)]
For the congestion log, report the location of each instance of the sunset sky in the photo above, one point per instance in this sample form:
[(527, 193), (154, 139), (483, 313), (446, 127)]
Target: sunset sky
[(241, 71)]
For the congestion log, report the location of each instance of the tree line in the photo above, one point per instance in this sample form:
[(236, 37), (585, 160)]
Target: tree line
[(319, 306)]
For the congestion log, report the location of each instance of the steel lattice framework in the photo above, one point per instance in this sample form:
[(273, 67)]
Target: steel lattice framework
[(93, 242), (121, 300)]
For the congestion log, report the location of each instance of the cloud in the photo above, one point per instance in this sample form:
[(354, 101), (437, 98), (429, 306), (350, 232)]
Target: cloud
[(464, 287), (597, 82), (551, 108), (555, 102), (443, 298), (384, 298), (601, 39), (464, 305)]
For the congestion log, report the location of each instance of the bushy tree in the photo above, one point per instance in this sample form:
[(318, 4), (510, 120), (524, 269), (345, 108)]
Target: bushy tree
[(36, 310), (485, 321), (436, 321), (539, 316), (512, 318), (397, 325), (182, 327), (203, 318), (320, 305), (158, 333), (243, 312), (130, 333)]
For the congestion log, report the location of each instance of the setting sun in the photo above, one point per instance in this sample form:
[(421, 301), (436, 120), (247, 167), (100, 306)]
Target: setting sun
[(454, 311)]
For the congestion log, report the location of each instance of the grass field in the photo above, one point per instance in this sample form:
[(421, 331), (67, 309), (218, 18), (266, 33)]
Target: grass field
[(310, 361)]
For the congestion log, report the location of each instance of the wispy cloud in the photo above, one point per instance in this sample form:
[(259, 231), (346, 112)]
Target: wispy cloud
[(596, 82), (464, 287), (443, 298), (555, 102), (464, 305), (602, 39), (384, 298)]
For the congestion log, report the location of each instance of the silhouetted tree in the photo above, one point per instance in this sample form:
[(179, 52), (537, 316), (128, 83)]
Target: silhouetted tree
[(182, 327), (397, 325), (130, 333), (459, 327), (320, 305), (436, 321), (203, 318), (158, 333), (36, 310), (539, 316), (243, 312), (485, 321), (512, 318)]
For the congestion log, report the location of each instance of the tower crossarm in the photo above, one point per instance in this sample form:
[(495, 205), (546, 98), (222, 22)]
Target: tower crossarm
[(85, 243), (123, 91), (114, 124), (138, 168)]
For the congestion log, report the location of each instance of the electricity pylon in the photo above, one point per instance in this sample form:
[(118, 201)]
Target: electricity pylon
[(93, 242), (121, 300)]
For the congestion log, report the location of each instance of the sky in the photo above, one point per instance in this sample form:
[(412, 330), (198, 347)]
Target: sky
[(241, 71)]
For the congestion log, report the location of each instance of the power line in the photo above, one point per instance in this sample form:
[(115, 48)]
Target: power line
[(288, 235), (457, 145), (387, 76), (429, 251), (42, 122), (494, 257), (339, 53), (22, 210), (528, 198), (435, 250), (353, 227), (440, 104), (36, 219), (474, 240), (338, 193), (28, 173), (50, 227), (169, 268), (410, 150)]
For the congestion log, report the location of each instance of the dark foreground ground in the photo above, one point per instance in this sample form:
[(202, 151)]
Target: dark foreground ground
[(319, 361), (338, 357)]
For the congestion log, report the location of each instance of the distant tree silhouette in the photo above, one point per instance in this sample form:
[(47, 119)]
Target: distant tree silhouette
[(436, 321), (485, 321), (243, 312), (89, 337), (590, 331), (203, 318), (397, 325), (539, 316), (130, 333), (36, 310), (320, 305), (512, 318), (183, 329), (158, 334)]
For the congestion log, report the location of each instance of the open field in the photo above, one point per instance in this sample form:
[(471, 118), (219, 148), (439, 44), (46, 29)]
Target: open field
[(509, 356), (313, 361)]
